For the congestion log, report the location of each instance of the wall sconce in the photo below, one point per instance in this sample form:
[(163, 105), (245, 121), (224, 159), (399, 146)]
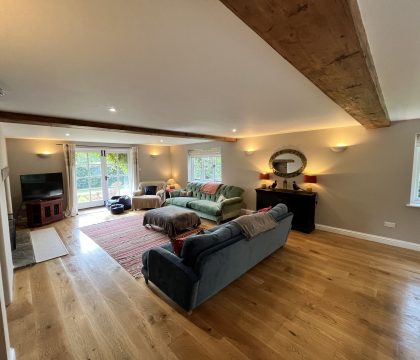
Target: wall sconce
[(339, 148), (44, 155), (309, 179), (154, 155), (249, 152)]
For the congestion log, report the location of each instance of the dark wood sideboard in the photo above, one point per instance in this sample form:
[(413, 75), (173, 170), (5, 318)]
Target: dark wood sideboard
[(301, 203)]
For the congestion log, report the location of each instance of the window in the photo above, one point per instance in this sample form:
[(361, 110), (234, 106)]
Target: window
[(415, 183), (205, 165), (100, 174)]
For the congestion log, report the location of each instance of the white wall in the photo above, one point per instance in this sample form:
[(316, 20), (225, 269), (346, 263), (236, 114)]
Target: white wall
[(358, 189), (5, 248), (5, 351)]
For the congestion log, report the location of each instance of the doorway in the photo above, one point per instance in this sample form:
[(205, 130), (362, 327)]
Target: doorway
[(101, 174)]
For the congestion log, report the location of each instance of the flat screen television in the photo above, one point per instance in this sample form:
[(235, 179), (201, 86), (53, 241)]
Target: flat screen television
[(41, 186)]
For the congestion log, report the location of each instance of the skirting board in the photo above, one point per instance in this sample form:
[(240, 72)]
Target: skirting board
[(12, 354), (370, 237)]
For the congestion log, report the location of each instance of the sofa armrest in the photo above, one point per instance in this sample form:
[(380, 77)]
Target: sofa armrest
[(162, 194), (170, 275), (138, 193), (231, 203)]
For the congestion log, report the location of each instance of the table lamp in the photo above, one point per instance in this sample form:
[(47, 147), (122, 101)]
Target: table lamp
[(171, 183), (309, 179), (264, 177)]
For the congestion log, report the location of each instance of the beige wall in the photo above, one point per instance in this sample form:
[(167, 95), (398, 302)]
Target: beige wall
[(154, 168), (23, 160), (358, 189)]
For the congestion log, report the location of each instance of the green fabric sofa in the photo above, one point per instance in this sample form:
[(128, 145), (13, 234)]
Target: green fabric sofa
[(206, 205)]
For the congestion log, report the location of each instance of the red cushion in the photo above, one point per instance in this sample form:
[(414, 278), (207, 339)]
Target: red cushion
[(178, 242), (265, 209)]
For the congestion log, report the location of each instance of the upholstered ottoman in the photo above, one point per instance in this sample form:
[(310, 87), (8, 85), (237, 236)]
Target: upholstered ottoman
[(172, 219)]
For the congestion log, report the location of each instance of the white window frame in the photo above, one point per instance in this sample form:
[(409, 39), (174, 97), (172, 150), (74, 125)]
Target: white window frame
[(415, 179), (207, 153)]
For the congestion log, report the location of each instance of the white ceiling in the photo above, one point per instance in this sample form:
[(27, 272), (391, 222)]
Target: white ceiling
[(393, 31), (188, 65)]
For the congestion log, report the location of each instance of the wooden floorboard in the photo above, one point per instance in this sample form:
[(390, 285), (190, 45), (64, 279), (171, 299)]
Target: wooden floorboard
[(323, 296)]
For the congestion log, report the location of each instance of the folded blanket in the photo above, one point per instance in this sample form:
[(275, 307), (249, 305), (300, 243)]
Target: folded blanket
[(255, 224), (210, 188)]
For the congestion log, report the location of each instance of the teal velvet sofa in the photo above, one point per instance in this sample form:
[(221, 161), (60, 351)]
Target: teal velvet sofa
[(206, 205), (208, 262)]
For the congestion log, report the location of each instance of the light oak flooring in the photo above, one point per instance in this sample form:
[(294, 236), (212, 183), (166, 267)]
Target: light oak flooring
[(323, 296)]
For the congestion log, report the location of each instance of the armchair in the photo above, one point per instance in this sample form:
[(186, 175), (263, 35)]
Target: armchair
[(142, 201)]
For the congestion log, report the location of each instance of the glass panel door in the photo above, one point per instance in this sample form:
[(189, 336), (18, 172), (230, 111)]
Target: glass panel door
[(117, 179), (100, 175), (89, 178)]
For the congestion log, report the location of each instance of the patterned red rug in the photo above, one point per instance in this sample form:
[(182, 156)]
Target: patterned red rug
[(126, 240)]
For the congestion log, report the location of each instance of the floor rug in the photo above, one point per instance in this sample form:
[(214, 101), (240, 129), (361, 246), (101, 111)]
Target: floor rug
[(47, 244), (126, 239)]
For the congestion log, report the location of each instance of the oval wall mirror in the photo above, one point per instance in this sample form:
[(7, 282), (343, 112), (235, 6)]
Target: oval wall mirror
[(287, 163)]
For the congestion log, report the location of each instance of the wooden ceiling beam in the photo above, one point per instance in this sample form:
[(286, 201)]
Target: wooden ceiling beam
[(32, 119), (326, 41)]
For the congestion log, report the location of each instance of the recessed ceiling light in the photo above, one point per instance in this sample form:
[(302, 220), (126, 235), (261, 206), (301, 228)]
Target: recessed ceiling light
[(112, 109), (233, 130), (67, 134), (161, 140)]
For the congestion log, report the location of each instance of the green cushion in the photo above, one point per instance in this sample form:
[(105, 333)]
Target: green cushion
[(180, 201), (205, 206), (228, 191)]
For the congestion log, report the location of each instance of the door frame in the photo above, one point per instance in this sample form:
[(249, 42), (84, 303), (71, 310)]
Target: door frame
[(104, 173)]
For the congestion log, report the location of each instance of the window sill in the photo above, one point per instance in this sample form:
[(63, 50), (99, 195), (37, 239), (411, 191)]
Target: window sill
[(413, 205)]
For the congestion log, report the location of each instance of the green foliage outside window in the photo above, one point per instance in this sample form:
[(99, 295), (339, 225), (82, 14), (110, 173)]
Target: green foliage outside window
[(206, 168)]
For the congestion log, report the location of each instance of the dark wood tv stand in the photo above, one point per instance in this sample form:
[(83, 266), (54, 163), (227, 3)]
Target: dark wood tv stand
[(44, 211)]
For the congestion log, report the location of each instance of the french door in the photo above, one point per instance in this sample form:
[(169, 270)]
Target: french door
[(100, 175)]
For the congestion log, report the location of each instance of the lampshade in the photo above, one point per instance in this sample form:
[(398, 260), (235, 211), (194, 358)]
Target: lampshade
[(310, 179), (264, 176), (171, 181)]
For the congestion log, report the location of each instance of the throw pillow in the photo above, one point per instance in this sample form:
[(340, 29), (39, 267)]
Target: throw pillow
[(150, 190), (221, 198), (265, 209), (185, 193), (178, 242)]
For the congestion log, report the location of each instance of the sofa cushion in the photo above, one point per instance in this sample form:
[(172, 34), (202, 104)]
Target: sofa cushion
[(197, 244), (227, 191), (178, 242), (150, 190), (278, 211), (180, 201), (230, 191), (206, 206)]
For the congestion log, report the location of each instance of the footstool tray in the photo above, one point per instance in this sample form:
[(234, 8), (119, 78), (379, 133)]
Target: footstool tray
[(172, 219)]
